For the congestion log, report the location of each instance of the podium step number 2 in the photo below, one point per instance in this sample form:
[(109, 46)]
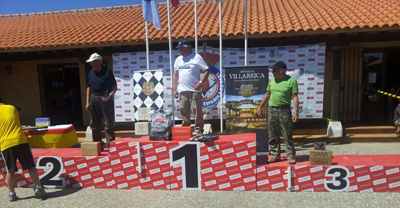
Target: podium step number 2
[(53, 168)]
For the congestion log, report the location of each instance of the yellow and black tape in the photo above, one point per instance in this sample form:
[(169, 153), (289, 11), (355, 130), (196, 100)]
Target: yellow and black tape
[(384, 93), (388, 94)]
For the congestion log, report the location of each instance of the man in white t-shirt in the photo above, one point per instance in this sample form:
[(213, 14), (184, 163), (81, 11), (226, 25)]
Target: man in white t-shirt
[(187, 83)]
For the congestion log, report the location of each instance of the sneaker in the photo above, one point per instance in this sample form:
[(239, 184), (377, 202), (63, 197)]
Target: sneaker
[(275, 158), (398, 133), (197, 131), (292, 161), (40, 192), (12, 197)]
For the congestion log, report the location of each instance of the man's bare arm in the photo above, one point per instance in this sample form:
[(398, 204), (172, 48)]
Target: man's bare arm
[(175, 79)]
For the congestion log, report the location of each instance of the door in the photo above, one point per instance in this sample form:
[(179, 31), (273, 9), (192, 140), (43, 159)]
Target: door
[(60, 93), (373, 79), (392, 82)]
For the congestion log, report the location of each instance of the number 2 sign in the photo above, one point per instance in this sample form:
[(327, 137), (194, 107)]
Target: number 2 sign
[(52, 167)]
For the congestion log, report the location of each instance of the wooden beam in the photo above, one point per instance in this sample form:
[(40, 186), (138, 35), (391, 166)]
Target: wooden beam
[(387, 44)]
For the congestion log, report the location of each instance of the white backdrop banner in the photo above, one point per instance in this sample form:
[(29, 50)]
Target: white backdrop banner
[(306, 63)]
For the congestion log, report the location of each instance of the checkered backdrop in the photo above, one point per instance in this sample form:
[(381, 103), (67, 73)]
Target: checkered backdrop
[(155, 100), (306, 63)]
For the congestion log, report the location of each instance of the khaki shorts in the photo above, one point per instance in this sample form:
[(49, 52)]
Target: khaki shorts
[(188, 101)]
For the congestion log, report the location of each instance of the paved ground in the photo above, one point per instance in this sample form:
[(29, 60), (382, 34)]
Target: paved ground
[(135, 198)]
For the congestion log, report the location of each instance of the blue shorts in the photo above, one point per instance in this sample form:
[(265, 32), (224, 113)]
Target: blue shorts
[(396, 123)]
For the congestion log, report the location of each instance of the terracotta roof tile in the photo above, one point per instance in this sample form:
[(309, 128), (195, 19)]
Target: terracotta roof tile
[(125, 23)]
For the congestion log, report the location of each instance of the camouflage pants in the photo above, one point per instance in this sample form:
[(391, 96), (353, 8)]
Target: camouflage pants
[(280, 123)]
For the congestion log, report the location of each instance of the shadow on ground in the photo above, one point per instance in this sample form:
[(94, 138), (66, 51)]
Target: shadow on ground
[(55, 194)]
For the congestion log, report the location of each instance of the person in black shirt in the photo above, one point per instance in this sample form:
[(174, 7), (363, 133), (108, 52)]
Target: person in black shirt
[(101, 88)]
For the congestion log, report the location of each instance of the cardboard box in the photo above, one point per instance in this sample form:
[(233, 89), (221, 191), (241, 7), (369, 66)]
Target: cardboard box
[(142, 128), (91, 148), (143, 114), (181, 133), (321, 157)]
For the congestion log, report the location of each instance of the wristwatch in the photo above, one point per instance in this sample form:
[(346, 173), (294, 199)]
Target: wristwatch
[(201, 82), (297, 112)]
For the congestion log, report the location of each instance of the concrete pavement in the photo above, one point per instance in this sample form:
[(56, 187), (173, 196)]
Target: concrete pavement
[(154, 199)]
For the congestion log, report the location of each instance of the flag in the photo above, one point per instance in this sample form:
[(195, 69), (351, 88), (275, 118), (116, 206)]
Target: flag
[(175, 3), (150, 13)]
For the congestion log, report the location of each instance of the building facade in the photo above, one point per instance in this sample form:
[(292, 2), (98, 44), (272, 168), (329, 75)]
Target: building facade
[(42, 55)]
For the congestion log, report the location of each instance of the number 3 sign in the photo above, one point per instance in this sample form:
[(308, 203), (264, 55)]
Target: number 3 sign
[(340, 181)]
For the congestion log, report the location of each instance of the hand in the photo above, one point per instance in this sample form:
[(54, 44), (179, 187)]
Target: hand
[(175, 94), (259, 111), (198, 86), (295, 118), (105, 99), (87, 107)]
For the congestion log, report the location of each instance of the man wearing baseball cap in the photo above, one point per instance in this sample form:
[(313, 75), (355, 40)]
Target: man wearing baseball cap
[(280, 91), (101, 88), (187, 84)]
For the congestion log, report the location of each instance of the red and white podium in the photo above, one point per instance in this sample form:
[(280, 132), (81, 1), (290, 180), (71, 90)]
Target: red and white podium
[(230, 163)]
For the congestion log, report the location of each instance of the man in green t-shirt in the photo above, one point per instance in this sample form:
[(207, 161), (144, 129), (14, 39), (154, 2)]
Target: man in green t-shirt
[(280, 91)]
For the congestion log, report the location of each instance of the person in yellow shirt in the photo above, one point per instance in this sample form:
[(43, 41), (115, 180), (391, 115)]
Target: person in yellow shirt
[(15, 146)]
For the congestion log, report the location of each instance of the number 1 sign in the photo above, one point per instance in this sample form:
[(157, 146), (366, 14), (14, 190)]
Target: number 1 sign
[(187, 155)]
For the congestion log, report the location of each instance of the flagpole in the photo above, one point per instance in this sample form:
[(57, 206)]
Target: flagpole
[(147, 46), (195, 25), (245, 32), (220, 65), (170, 62)]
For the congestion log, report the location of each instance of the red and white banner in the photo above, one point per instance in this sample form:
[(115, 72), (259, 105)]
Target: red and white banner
[(306, 63)]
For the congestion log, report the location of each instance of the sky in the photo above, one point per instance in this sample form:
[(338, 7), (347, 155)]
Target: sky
[(31, 6)]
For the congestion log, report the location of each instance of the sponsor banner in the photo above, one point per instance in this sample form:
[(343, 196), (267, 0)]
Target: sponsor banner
[(306, 63), (246, 87)]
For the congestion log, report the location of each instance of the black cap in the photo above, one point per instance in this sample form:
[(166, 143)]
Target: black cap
[(183, 42), (279, 65)]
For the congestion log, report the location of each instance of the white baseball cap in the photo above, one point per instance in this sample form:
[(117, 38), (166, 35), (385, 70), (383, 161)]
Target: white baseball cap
[(93, 57)]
